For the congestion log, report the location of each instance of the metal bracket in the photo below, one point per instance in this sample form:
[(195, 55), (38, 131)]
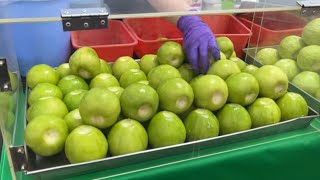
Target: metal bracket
[(18, 158), (5, 84), (84, 19), (310, 8)]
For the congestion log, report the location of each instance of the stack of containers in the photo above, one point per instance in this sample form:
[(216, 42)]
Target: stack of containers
[(153, 32)]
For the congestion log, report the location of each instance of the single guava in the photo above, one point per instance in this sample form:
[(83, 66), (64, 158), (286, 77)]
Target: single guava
[(127, 136), (201, 124), (289, 67), (73, 98), (273, 82), (86, 143), (166, 129), (123, 64), (73, 119), (311, 32), (186, 72), (243, 88), (85, 63), (41, 73), (308, 58), (175, 95), (233, 118), (139, 102), (103, 80), (240, 63), (105, 67), (210, 92), (63, 70), (44, 90), (292, 105), (267, 56), (148, 62), (251, 69), (226, 46), (290, 47), (99, 108), (47, 106), (117, 90), (170, 53), (45, 135), (162, 73), (224, 69), (72, 82), (132, 76), (264, 111), (307, 81)]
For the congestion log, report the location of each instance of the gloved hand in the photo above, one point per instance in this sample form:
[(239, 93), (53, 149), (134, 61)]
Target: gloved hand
[(198, 42)]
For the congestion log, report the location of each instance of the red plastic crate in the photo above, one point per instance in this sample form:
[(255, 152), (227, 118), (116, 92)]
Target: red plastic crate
[(110, 43), (149, 32), (270, 28), (231, 27)]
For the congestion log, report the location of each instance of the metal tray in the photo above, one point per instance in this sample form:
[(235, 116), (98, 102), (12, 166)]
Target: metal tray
[(311, 100), (58, 167)]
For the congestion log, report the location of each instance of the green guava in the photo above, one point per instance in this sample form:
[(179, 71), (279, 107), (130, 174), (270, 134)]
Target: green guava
[(170, 53), (201, 124), (139, 102), (85, 63), (45, 135), (233, 118), (123, 64), (267, 56), (311, 32), (148, 62), (166, 129), (288, 66), (162, 73), (127, 136), (86, 143), (290, 47), (292, 105), (224, 69), (41, 73), (308, 58)]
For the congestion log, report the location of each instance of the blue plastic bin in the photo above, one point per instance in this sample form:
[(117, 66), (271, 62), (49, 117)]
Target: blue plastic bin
[(37, 43)]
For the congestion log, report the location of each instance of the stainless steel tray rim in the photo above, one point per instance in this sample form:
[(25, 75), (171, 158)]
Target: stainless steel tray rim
[(310, 117)]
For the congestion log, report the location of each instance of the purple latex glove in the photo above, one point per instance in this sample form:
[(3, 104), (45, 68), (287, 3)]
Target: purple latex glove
[(198, 41)]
